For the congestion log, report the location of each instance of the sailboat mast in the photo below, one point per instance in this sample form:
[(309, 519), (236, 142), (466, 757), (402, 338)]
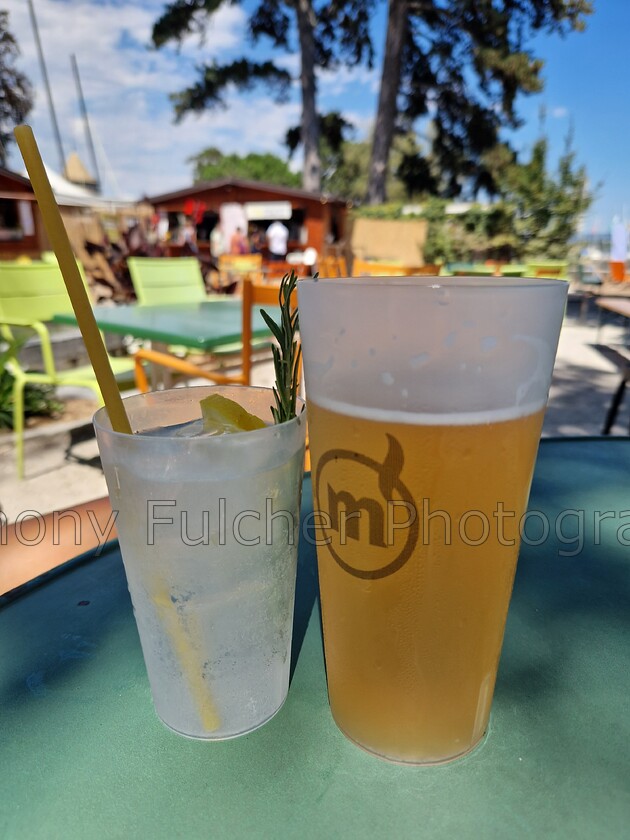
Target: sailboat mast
[(42, 64), (86, 122)]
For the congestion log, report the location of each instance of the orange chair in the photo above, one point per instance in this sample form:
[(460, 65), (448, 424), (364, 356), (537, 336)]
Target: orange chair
[(236, 267), (618, 271), (333, 265), (376, 268)]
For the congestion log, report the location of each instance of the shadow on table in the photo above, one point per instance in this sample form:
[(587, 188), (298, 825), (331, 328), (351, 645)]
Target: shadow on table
[(79, 622), (572, 591), (307, 581), (77, 611)]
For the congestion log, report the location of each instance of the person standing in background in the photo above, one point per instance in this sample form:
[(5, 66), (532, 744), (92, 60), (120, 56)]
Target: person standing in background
[(217, 242), (239, 243), (257, 240), (277, 240)]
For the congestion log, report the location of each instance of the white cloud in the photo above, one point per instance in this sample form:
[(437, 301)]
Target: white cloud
[(346, 80), (559, 112), (126, 87)]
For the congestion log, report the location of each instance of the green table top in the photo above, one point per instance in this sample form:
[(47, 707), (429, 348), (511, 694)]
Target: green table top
[(83, 754), (205, 325)]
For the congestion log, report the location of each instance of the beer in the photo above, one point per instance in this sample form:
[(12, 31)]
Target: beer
[(414, 608)]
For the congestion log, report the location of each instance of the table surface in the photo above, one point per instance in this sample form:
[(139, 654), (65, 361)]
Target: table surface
[(204, 325), (620, 307), (83, 754)]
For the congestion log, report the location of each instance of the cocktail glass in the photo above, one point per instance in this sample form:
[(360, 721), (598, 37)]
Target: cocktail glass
[(208, 530)]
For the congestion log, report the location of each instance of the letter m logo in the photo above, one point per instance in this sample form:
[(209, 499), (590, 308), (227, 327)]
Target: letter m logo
[(345, 514)]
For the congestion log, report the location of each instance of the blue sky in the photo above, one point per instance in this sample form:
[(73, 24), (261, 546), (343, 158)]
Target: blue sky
[(141, 151)]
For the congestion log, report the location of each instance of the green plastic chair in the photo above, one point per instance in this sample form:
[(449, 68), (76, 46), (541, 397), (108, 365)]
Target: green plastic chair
[(31, 295), (158, 281), (163, 280), (471, 270), (513, 270), (552, 269)]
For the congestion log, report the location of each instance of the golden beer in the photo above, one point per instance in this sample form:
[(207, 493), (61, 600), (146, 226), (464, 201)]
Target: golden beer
[(421, 525)]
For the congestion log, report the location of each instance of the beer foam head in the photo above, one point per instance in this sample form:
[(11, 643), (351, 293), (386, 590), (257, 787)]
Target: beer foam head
[(475, 347)]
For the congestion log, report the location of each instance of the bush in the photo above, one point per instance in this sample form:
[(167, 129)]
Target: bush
[(39, 400)]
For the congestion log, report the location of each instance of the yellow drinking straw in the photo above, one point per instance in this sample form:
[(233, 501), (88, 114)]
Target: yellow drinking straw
[(107, 383), (74, 284)]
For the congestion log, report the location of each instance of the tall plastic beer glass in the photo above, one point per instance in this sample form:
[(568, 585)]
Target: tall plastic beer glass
[(426, 398)]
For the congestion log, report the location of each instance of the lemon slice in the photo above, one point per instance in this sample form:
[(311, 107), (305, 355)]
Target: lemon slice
[(223, 416)]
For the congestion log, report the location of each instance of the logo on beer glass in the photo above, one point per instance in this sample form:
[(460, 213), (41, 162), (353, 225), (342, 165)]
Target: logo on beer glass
[(372, 526)]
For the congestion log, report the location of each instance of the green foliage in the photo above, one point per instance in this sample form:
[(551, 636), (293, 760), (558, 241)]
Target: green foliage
[(333, 133), (347, 174), (287, 353), (536, 217), (39, 400), (547, 207), (390, 210), (327, 33), (333, 129), (213, 80), (211, 164), (465, 63), (16, 93)]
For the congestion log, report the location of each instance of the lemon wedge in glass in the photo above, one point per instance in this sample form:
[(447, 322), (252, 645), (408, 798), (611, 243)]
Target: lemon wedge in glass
[(223, 416)]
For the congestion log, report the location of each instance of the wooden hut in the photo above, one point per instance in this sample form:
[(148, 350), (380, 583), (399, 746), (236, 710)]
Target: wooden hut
[(313, 220), (21, 227)]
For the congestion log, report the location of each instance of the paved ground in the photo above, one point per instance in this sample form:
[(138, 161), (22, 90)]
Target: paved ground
[(62, 470)]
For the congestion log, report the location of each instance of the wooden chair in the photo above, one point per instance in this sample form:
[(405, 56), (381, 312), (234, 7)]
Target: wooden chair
[(376, 268), (328, 266), (31, 295), (428, 270), (254, 294), (275, 270), (234, 268), (333, 265)]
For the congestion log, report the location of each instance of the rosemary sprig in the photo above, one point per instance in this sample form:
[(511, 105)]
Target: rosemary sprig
[(286, 355)]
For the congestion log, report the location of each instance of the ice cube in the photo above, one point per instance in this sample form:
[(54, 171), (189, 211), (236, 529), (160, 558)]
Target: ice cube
[(191, 428)]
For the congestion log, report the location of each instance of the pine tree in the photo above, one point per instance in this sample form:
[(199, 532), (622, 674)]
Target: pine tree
[(463, 62), (336, 30), (16, 94)]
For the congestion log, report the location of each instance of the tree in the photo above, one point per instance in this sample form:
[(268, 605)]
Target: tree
[(537, 214), (16, 93), (335, 30), (332, 131), (463, 62), (211, 164), (547, 207)]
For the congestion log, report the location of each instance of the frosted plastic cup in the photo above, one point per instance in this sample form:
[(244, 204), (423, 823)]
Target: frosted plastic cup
[(208, 530), (425, 398)]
